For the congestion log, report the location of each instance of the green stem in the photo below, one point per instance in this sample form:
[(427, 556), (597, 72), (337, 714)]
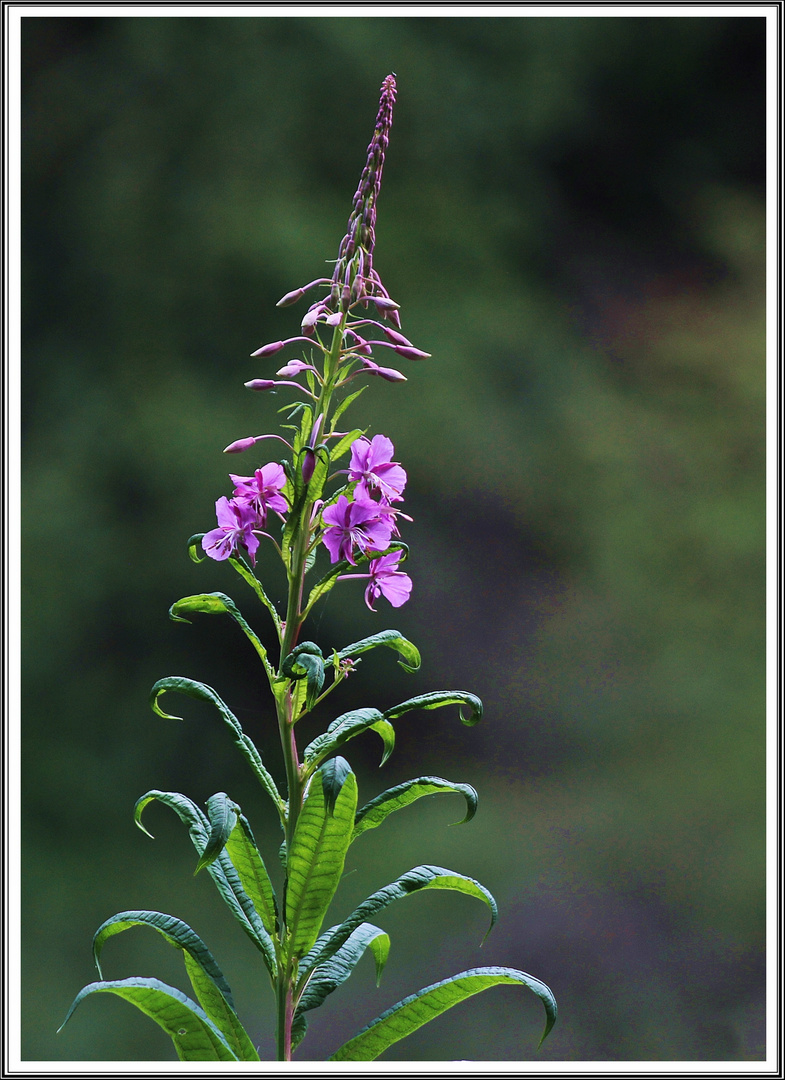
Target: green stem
[(285, 1010), (290, 632)]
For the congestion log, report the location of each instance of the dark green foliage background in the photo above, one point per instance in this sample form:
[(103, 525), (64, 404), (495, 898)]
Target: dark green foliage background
[(572, 221)]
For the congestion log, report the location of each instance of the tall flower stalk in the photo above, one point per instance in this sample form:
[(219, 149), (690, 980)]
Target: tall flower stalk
[(334, 520)]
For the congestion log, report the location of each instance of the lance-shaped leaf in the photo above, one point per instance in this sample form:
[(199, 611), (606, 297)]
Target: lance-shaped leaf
[(344, 405), (246, 859), (175, 931), (210, 986), (222, 814), (246, 573), (195, 1036), (318, 849), (329, 976), (420, 877), (216, 603), (221, 870), (345, 727), (344, 443), (396, 798), (417, 1009), (393, 640), (306, 662), (202, 692), (436, 700)]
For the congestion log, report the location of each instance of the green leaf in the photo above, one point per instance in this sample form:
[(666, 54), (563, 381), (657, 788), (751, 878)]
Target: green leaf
[(222, 813), (239, 564), (345, 727), (396, 798), (318, 849), (306, 662), (417, 1009), (344, 405), (319, 476), (216, 603), (195, 550), (346, 441), (207, 979), (328, 977), (436, 700), (247, 861), (221, 870), (195, 1036), (187, 810), (202, 692), (393, 640), (220, 1010), (175, 931), (420, 877)]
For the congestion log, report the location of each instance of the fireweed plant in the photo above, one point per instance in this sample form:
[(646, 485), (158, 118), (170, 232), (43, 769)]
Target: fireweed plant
[(311, 506)]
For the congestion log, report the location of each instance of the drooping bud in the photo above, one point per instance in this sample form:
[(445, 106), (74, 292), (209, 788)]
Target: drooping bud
[(294, 367), (395, 337), (408, 351), (269, 350), (240, 445), (296, 294), (390, 374), (276, 346), (260, 384)]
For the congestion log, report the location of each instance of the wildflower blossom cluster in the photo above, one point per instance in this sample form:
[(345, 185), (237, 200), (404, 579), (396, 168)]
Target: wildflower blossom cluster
[(311, 506)]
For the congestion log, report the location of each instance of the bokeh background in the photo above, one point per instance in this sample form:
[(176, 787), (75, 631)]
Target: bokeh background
[(572, 219)]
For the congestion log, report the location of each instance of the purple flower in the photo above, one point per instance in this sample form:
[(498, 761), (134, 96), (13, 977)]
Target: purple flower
[(388, 581), (374, 470), (262, 491), (236, 521), (354, 525)]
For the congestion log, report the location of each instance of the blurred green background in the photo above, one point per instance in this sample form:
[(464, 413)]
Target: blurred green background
[(572, 219)]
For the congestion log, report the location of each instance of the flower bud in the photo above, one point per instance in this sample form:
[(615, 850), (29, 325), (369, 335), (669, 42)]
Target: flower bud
[(269, 350), (384, 303), (395, 337), (240, 445), (311, 316), (309, 463), (260, 384), (290, 298), (390, 374), (293, 367), (410, 352)]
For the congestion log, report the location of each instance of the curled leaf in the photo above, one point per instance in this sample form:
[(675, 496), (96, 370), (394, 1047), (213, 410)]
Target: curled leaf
[(396, 798), (345, 727), (195, 1036), (436, 700), (420, 877), (195, 550), (417, 1009), (409, 653)]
